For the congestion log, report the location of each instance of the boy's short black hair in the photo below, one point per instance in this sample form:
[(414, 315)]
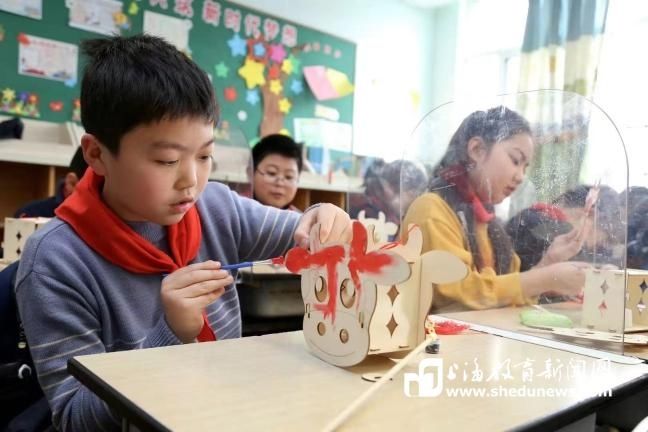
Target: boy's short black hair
[(138, 80), (277, 144)]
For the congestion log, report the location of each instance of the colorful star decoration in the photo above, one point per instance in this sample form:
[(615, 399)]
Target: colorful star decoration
[(122, 20), (284, 105), (237, 45), (23, 39), (297, 87), (230, 94), (8, 94), (133, 8), (56, 106), (252, 72), (259, 49), (277, 53), (287, 66), (295, 63), (221, 70), (274, 72), (275, 86), (252, 97)]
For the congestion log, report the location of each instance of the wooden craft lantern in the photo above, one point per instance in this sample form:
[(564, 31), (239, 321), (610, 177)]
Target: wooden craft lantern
[(608, 293), (16, 233), (366, 297), (383, 230)]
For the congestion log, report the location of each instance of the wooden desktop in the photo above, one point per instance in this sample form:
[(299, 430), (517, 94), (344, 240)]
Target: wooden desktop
[(272, 382)]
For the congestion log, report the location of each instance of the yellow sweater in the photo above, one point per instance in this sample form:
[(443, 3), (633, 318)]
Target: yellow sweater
[(442, 230)]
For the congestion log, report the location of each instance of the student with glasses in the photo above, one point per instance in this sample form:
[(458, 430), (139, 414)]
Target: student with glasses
[(276, 162)]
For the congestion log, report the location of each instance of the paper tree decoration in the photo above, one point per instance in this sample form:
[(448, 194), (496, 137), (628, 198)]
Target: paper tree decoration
[(367, 298), (267, 69), (327, 83)]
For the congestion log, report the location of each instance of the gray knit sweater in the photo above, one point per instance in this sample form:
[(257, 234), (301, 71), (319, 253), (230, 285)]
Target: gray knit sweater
[(73, 302)]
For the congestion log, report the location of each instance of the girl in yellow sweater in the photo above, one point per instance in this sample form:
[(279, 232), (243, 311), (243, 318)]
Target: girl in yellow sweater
[(485, 162)]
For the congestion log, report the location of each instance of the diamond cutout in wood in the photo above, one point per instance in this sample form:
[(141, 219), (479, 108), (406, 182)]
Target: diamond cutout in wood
[(604, 287), (602, 307), (641, 307), (392, 293), (18, 235), (643, 286), (391, 325)]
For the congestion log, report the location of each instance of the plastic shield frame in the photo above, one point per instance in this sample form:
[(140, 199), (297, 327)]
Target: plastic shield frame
[(532, 196)]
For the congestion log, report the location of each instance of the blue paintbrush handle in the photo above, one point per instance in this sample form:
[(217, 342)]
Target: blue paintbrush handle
[(233, 266), (237, 266)]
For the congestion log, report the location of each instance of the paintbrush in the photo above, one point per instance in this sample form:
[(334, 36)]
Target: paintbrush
[(277, 261)]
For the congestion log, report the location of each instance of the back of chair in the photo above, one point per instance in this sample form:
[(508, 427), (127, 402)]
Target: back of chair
[(642, 426), (8, 315), (20, 392)]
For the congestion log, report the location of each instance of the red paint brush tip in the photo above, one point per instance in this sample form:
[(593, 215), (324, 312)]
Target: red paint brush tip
[(278, 260)]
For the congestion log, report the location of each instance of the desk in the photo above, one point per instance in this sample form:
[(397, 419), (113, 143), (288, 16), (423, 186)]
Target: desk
[(273, 383), (509, 319)]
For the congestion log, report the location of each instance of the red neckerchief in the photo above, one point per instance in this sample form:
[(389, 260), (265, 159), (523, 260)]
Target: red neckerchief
[(109, 236), (550, 210), (458, 176)]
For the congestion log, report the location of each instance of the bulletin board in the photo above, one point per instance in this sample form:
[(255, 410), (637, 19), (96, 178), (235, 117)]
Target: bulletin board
[(256, 61)]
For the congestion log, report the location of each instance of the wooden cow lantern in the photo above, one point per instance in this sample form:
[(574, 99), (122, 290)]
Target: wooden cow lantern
[(401, 309), (382, 230), (615, 300), (366, 298)]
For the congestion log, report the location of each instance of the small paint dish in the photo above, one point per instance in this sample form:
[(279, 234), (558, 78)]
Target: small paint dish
[(449, 327)]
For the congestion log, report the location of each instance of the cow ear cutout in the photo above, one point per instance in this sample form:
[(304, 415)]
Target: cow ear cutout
[(441, 267)]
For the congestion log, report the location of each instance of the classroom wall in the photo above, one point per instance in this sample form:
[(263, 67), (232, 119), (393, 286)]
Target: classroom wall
[(446, 26), (394, 70)]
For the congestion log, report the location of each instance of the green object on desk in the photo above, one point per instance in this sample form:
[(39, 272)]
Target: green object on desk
[(537, 318)]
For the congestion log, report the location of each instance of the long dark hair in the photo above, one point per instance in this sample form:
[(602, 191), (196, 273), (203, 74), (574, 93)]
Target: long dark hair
[(492, 126)]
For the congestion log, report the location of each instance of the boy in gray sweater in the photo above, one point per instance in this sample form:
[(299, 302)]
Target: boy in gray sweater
[(133, 258)]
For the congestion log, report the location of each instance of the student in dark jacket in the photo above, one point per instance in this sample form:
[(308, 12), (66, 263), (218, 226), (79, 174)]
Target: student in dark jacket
[(534, 229), (64, 188)]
